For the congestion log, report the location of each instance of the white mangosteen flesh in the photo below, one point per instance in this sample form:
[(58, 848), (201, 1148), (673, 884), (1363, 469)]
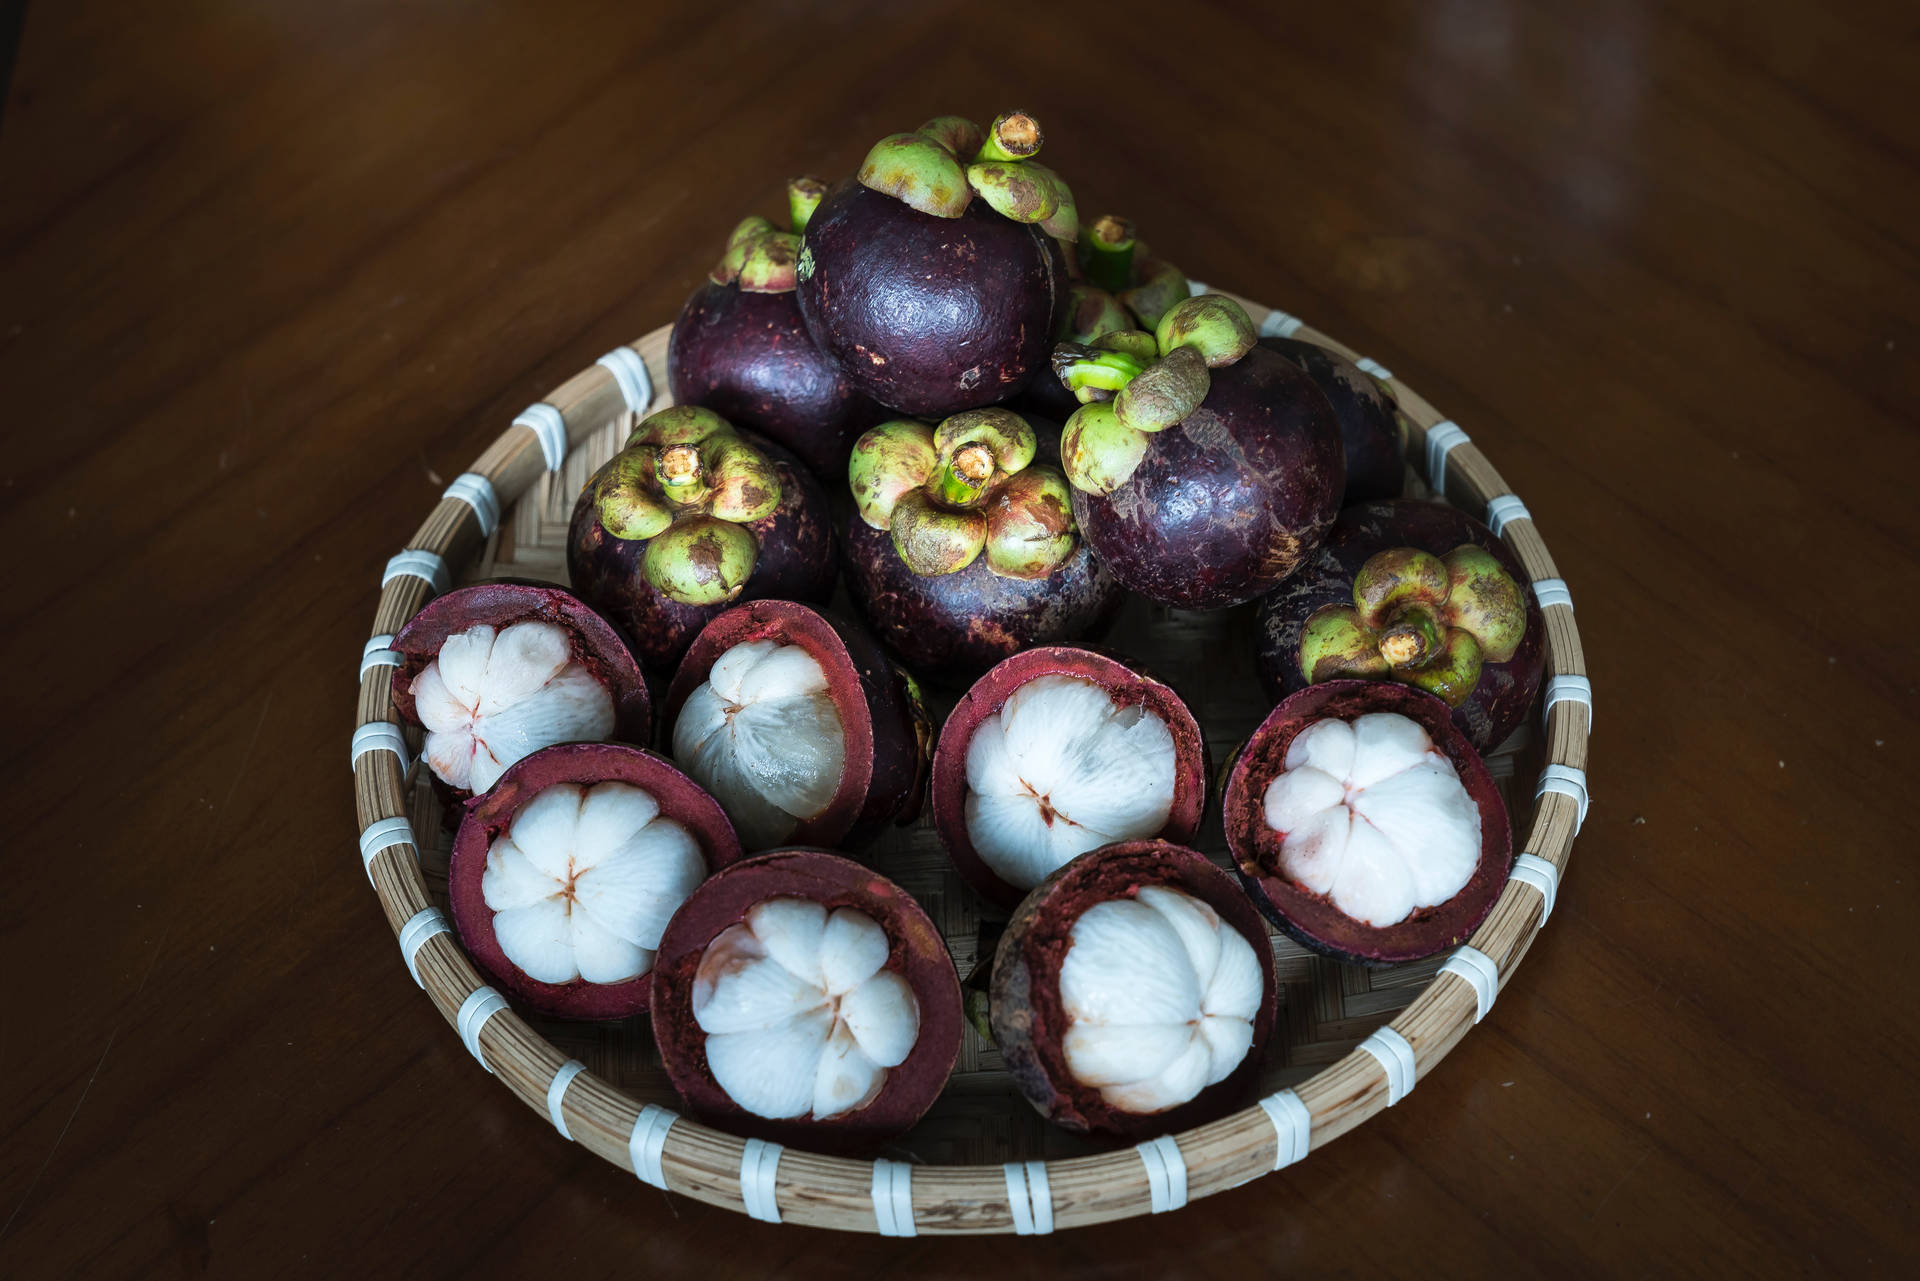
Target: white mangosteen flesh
[(763, 735), (1160, 996), (801, 1015), (1059, 770), (492, 696), (583, 880), (1375, 817)]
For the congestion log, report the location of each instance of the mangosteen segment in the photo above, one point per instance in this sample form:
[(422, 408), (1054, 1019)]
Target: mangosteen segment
[(801, 1014), (1160, 998), (763, 734)]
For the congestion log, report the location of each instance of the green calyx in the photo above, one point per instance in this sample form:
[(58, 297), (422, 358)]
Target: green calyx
[(1428, 621), (1112, 258), (688, 486), (1098, 451), (939, 169), (1091, 312), (1215, 326), (759, 257)]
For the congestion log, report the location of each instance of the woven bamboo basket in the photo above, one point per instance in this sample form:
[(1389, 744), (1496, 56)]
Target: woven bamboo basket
[(1349, 1042)]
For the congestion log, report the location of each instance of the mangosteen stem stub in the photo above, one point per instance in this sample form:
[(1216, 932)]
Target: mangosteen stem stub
[(1081, 368), (680, 473), (803, 197), (1108, 260), (965, 477), (1414, 636), (1014, 135)]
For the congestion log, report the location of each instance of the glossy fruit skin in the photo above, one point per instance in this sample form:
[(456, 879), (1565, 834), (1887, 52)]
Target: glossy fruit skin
[(1376, 455), (747, 357), (1499, 703), (1029, 1025), (1311, 919), (928, 315), (796, 562), (1227, 503), (918, 953), (486, 817)]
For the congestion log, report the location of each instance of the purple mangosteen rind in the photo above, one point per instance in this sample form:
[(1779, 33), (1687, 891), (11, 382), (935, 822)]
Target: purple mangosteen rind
[(1127, 682), (916, 951), (1311, 919), (1030, 1025), (1370, 432), (486, 817), (1504, 696)]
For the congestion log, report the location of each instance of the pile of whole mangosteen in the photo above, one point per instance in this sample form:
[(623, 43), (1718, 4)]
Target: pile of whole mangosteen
[(992, 421)]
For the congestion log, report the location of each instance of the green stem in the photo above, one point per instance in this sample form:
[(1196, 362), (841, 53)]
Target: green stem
[(680, 473), (1109, 257), (803, 197), (1014, 135), (964, 478), (1081, 368)]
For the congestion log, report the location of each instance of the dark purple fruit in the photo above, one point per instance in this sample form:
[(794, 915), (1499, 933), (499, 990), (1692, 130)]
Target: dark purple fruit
[(1376, 453)]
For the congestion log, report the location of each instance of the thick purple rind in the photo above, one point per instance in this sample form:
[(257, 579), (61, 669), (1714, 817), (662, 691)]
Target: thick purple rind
[(928, 315), (1230, 501), (1029, 1025), (917, 953), (796, 561), (486, 817), (885, 763), (1376, 457), (1312, 919), (1502, 699), (747, 357), (1126, 682)]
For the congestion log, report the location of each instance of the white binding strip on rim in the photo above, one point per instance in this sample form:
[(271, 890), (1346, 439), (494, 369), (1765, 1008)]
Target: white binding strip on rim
[(1166, 1173), (379, 736), (1395, 1056), (423, 565), (1292, 1127), (384, 833), (378, 652), (476, 491), (481, 1004), (549, 428), (1442, 439), (1029, 1197), (420, 927), (1531, 869), (1504, 510), (1566, 781), (893, 1198), (759, 1162), (1481, 974), (648, 1141), (1278, 324), (1569, 689), (1368, 365), (1552, 591), (636, 385), (1195, 289), (557, 1093)]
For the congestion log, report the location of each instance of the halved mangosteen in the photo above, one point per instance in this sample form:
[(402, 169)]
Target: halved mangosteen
[(1058, 751), (496, 671), (564, 875), (1133, 992), (1365, 825), (1369, 428), (803, 998), (799, 726)]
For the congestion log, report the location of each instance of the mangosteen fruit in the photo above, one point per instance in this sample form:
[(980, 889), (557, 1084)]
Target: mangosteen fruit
[(689, 517), (1205, 468), (1058, 751), (1376, 448), (803, 998), (565, 873), (1133, 992), (933, 278), (961, 547), (740, 348), (799, 726), (1365, 825), (496, 671), (1418, 593)]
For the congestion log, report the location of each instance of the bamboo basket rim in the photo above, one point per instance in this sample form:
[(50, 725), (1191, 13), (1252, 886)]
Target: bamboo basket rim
[(678, 1154)]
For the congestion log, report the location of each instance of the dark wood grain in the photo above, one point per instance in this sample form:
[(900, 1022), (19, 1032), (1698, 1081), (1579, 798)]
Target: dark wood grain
[(272, 272)]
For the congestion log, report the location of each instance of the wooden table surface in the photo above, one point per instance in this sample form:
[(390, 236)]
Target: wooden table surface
[(269, 272)]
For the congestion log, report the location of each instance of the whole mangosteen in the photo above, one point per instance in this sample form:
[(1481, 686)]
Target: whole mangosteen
[(740, 348), (1133, 992), (496, 671), (689, 517), (564, 875), (1414, 592), (802, 998), (1365, 825), (1058, 751), (799, 725), (962, 548), (1205, 468), (932, 278), (1369, 428)]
